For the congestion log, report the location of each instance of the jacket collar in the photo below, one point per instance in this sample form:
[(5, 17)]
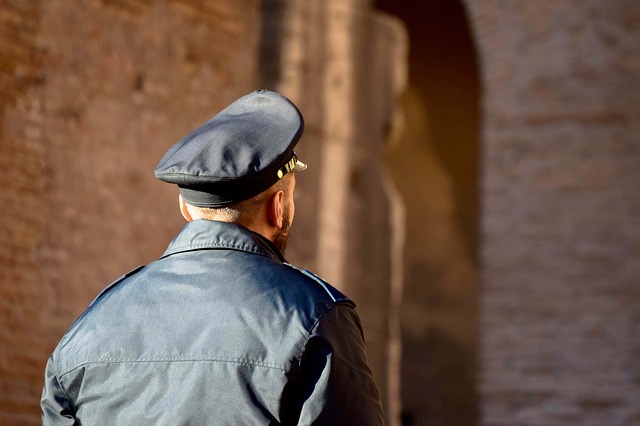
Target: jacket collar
[(208, 234)]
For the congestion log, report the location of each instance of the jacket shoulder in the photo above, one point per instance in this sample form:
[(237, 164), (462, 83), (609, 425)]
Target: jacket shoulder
[(66, 338), (116, 282), (333, 293)]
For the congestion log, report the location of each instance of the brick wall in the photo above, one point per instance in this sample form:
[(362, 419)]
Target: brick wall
[(560, 207), (92, 94), (22, 165)]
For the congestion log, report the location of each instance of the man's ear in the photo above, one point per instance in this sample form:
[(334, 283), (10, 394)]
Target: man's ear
[(275, 209), (184, 209)]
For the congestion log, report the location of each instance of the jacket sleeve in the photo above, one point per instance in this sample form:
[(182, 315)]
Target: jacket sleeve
[(337, 384), (55, 406)]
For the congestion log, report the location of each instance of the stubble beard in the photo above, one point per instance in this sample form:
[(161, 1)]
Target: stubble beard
[(281, 238)]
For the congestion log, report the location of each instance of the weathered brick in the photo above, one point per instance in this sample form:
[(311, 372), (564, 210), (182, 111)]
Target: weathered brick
[(560, 190), (92, 95)]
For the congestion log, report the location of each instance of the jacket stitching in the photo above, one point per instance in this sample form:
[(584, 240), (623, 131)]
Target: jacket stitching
[(108, 360), (246, 247)]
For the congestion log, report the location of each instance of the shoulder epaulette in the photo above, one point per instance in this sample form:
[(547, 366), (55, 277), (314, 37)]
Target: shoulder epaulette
[(333, 293), (116, 282)]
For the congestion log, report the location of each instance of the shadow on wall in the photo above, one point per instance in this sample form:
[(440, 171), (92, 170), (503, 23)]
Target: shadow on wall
[(435, 167)]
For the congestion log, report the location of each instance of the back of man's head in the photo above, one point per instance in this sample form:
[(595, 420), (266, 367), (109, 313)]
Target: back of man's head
[(244, 213)]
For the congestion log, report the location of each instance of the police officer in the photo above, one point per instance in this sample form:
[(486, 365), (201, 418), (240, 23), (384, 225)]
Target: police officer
[(220, 330)]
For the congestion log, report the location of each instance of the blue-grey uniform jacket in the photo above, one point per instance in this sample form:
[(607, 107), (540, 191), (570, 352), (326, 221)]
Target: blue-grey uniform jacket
[(219, 331)]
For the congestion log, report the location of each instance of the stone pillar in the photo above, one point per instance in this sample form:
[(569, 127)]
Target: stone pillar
[(343, 63)]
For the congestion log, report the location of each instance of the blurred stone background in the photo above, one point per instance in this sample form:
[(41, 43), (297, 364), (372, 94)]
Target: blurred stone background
[(474, 182)]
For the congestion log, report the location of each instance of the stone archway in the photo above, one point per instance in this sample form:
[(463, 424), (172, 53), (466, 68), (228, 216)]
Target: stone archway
[(435, 167)]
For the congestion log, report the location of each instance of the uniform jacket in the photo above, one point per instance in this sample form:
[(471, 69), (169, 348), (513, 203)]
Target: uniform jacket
[(219, 331)]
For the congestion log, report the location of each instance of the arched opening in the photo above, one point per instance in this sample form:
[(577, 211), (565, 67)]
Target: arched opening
[(435, 167)]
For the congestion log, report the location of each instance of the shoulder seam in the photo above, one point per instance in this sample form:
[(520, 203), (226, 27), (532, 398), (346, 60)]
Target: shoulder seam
[(338, 299), (116, 282), (64, 338)]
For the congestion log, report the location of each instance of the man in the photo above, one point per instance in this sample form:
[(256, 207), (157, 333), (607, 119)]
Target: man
[(220, 330)]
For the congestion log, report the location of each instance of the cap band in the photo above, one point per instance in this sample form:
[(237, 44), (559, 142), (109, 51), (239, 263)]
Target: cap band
[(292, 165), (223, 193)]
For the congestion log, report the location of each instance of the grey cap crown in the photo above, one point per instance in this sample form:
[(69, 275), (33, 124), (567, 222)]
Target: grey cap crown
[(237, 153)]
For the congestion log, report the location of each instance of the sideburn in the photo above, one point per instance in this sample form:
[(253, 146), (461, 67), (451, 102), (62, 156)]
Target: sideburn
[(281, 238)]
